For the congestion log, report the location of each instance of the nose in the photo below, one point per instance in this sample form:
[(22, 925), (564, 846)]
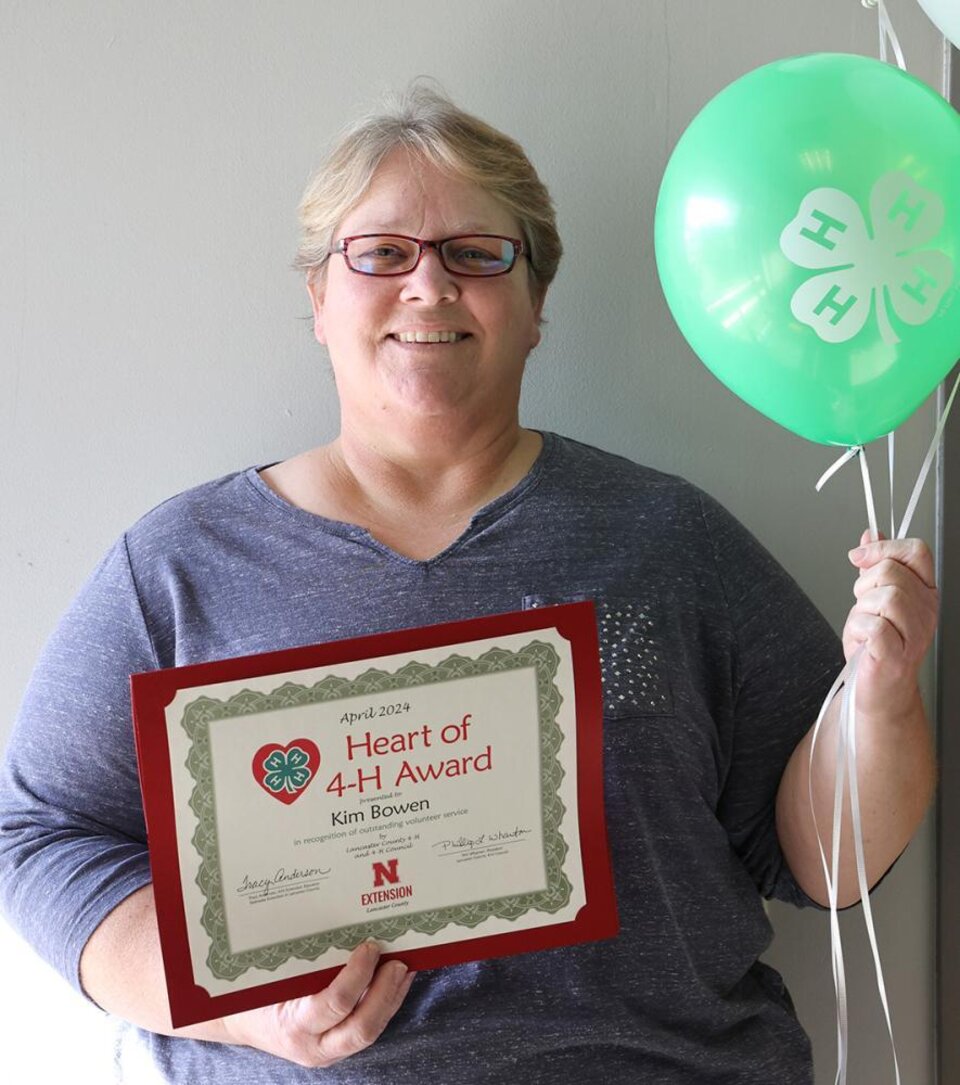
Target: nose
[(429, 282)]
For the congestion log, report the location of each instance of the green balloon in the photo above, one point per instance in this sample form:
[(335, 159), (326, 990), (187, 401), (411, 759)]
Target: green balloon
[(807, 235)]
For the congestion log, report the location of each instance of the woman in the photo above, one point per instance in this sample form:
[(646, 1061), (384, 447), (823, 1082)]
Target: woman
[(429, 244)]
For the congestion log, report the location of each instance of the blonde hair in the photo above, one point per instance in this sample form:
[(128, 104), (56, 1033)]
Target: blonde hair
[(425, 123)]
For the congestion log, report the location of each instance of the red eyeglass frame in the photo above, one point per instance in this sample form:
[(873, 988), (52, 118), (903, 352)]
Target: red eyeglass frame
[(519, 249)]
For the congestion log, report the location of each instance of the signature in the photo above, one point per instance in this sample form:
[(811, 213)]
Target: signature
[(280, 877), (484, 840)]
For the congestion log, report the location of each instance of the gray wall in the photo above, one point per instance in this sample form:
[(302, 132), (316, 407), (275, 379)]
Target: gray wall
[(152, 336)]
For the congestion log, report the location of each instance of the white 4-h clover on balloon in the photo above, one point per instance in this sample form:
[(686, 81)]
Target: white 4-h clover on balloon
[(808, 243), (872, 263)]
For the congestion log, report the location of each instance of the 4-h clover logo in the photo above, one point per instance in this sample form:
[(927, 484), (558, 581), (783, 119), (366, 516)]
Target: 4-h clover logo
[(883, 262), (285, 771)]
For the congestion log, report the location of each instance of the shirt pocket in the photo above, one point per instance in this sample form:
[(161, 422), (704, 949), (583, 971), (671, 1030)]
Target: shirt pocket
[(633, 667)]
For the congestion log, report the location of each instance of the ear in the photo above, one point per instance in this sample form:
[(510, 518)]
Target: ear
[(538, 299), (315, 288)]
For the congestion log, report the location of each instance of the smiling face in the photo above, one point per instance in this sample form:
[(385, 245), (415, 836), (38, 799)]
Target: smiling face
[(373, 326)]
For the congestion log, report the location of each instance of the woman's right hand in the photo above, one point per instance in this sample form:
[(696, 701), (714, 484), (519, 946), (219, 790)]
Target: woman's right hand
[(344, 1018), (121, 969)]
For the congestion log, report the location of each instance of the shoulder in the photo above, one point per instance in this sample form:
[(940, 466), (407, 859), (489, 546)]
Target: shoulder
[(606, 478), (196, 513), (649, 513), (589, 459), (180, 532)]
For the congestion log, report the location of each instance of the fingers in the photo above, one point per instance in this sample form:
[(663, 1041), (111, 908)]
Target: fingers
[(371, 1016), (883, 639), (895, 614), (913, 554), (323, 1011), (895, 586), (910, 611), (353, 1011), (904, 605), (894, 619), (318, 1030), (888, 573)]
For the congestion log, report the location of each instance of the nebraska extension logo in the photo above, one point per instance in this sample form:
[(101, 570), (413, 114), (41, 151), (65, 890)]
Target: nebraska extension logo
[(386, 873)]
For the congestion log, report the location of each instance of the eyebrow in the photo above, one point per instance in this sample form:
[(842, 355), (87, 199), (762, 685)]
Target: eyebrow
[(455, 230)]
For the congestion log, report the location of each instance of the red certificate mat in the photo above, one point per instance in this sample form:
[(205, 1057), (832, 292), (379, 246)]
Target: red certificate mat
[(437, 789)]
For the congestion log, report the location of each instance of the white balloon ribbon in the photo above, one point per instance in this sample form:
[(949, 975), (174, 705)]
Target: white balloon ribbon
[(853, 450), (887, 33), (846, 760), (836, 943), (928, 462), (868, 496)]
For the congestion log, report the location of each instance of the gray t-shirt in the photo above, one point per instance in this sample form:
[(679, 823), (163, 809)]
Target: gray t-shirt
[(714, 666)]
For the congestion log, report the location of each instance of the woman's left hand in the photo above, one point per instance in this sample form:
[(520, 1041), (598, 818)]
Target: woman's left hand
[(894, 617), (893, 621)]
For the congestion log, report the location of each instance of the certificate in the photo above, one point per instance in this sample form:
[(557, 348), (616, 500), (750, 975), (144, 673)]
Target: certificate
[(439, 790)]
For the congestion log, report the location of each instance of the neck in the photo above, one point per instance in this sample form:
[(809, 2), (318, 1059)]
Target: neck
[(447, 470), (415, 495)]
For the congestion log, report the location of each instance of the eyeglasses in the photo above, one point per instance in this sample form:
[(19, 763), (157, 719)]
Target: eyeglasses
[(481, 255)]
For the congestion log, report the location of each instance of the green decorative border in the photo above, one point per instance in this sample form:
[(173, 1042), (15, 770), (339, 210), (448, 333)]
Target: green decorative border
[(198, 715)]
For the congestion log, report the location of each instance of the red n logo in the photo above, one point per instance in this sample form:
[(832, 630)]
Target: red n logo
[(385, 873)]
